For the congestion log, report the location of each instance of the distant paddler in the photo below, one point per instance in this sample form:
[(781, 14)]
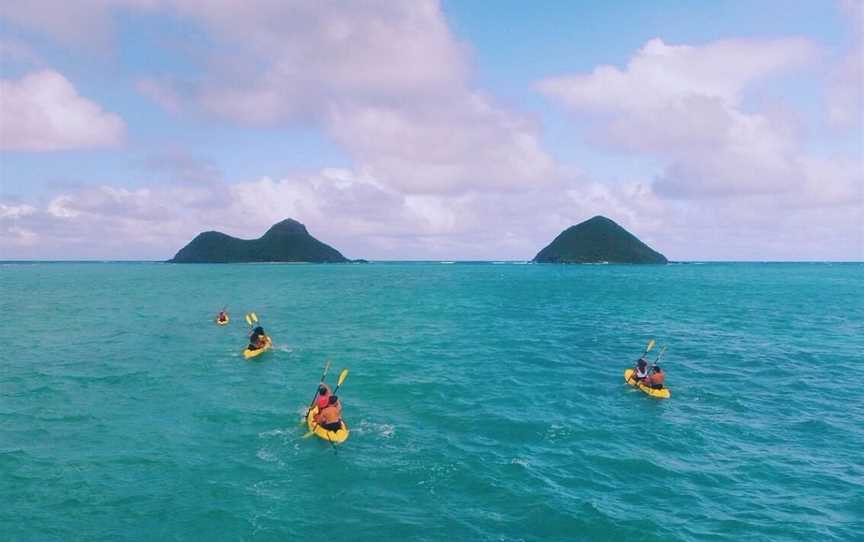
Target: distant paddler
[(259, 342), (649, 379), (222, 318)]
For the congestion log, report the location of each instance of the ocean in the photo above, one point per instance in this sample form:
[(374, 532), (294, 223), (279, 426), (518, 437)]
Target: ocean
[(485, 401)]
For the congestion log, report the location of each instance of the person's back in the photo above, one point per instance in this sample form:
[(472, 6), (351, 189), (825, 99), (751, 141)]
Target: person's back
[(257, 338), (656, 379), (641, 369), (330, 417)]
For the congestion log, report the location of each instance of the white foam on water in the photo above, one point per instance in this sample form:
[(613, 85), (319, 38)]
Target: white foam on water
[(267, 456), (383, 430)]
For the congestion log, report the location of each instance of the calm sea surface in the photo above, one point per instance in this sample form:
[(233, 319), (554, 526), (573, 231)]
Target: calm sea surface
[(486, 402)]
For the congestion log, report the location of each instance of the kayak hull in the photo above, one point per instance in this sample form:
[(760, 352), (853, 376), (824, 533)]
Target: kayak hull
[(657, 394), (249, 354), (336, 437), (223, 322)]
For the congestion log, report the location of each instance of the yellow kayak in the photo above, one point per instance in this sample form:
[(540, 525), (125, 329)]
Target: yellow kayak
[(223, 322), (258, 351), (335, 437), (662, 393)]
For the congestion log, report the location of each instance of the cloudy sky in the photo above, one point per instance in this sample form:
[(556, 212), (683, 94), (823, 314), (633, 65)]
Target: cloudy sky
[(432, 130)]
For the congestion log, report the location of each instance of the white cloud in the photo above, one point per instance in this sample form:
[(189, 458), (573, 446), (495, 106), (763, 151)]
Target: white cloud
[(659, 75), (387, 80), (87, 23), (684, 104), (43, 111), (16, 211)]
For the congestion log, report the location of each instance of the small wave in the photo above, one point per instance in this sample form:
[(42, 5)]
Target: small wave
[(267, 456), (383, 430), (274, 433), (446, 263)]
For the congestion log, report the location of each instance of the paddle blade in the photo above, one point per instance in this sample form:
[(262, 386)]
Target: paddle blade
[(248, 320), (342, 376), (650, 345), (309, 434), (254, 317)]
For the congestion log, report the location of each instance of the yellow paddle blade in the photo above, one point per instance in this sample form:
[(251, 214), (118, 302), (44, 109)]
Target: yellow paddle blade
[(248, 320), (254, 317), (342, 376), (650, 345), (309, 434)]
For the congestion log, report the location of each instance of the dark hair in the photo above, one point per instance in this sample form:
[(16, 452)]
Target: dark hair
[(658, 369), (259, 330), (333, 399), (322, 390)]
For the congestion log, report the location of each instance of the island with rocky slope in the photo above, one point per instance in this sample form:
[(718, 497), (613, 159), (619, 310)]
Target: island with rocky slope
[(598, 240), (286, 241)]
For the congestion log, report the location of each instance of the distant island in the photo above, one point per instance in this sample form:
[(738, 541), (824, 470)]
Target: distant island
[(286, 241), (598, 240)]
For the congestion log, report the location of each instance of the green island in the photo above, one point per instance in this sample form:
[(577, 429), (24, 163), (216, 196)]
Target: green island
[(598, 240), (286, 241)]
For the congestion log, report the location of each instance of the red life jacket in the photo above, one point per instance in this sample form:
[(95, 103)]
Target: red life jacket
[(323, 399)]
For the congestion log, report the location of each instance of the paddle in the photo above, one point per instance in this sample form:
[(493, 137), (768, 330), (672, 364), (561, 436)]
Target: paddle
[(660, 355), (342, 376), (647, 349), (312, 403)]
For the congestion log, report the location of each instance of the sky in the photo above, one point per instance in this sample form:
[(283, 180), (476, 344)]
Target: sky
[(728, 130)]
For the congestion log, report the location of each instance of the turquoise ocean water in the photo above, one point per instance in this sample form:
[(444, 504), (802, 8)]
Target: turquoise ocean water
[(486, 402)]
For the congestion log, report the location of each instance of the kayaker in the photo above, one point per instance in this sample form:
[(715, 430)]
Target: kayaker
[(656, 378), (222, 316), (330, 417), (641, 372), (257, 339), (323, 398)]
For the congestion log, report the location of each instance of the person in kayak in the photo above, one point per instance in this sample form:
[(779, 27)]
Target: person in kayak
[(656, 378), (258, 339), (641, 372), (330, 417), (323, 398), (223, 316)]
